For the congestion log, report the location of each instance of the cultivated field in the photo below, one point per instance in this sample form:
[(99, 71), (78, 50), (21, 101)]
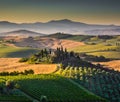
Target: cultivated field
[(47, 42), (14, 46), (100, 81), (13, 64), (111, 52), (107, 54), (115, 64), (93, 48), (39, 42), (54, 87)]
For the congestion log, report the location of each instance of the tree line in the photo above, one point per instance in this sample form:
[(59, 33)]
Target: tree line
[(60, 55)]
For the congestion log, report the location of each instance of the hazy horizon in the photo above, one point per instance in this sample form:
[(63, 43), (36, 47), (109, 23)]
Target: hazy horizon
[(56, 21)]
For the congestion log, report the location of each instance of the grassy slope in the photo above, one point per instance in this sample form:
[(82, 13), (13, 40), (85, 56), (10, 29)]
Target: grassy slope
[(101, 47), (14, 98), (85, 38), (56, 88), (114, 40), (98, 50), (107, 54), (92, 48), (70, 37), (6, 51)]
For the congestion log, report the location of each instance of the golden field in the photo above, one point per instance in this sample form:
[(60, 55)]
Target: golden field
[(13, 64), (115, 64)]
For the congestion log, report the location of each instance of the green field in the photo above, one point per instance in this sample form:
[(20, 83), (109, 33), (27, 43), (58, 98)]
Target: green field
[(107, 54), (6, 51), (55, 87), (92, 48), (14, 98), (112, 52)]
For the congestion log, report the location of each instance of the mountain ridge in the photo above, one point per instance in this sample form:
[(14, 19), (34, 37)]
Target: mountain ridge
[(54, 26), (21, 32), (61, 20)]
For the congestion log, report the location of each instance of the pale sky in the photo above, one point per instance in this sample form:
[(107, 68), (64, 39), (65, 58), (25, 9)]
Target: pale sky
[(87, 11)]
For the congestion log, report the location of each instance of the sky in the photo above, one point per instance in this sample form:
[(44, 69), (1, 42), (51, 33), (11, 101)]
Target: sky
[(87, 11)]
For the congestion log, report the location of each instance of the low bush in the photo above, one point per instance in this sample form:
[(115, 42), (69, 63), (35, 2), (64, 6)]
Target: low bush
[(23, 60), (26, 72)]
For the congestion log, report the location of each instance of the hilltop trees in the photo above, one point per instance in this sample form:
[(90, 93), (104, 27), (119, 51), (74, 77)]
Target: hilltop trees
[(44, 56), (60, 55), (47, 56)]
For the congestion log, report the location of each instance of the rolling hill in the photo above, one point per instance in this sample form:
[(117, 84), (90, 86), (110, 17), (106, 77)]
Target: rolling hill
[(7, 51), (22, 32), (39, 42), (105, 45), (46, 42), (70, 37), (21, 46)]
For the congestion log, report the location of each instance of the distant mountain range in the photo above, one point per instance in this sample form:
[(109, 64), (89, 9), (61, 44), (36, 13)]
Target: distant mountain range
[(24, 33), (65, 26)]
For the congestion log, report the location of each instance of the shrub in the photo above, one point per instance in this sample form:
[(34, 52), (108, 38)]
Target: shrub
[(43, 99), (23, 60), (17, 86), (4, 73), (9, 84), (28, 72), (17, 73)]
